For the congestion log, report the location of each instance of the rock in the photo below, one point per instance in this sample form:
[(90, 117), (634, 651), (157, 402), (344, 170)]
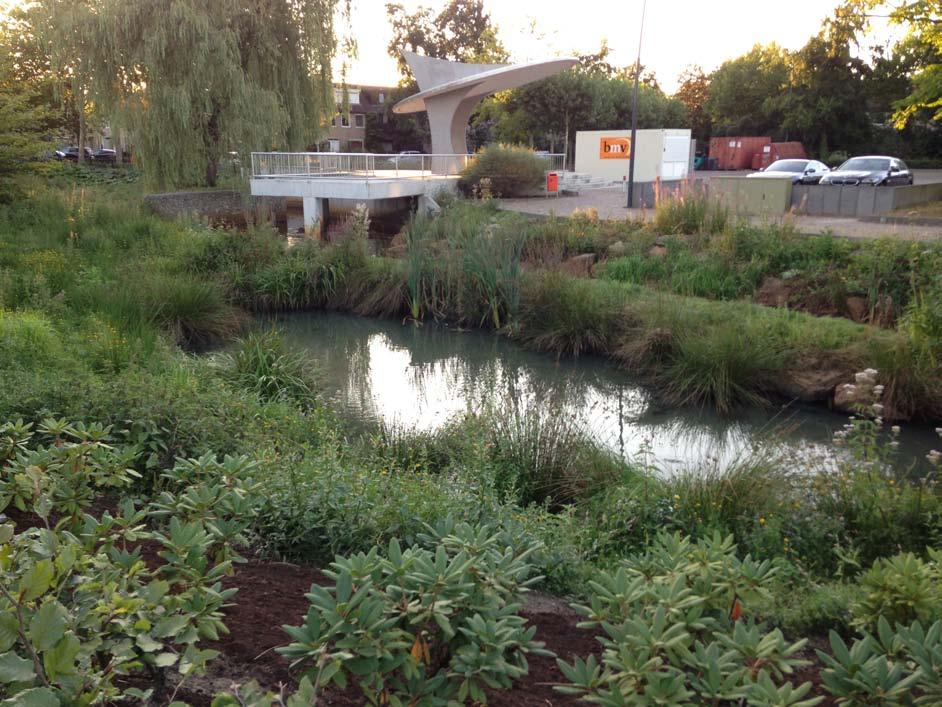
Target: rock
[(848, 397), (579, 265), (618, 249), (398, 239), (857, 308), (396, 251), (657, 251), (808, 385), (773, 292)]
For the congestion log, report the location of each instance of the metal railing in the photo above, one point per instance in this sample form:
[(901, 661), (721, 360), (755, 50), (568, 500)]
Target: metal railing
[(309, 165)]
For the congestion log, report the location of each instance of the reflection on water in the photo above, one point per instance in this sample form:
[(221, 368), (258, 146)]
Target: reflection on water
[(419, 377)]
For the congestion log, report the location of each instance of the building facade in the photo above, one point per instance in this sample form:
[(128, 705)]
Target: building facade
[(348, 127)]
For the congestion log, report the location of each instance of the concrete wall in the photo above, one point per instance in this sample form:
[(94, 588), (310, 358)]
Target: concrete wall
[(756, 197), (649, 155), (860, 201), (220, 203)]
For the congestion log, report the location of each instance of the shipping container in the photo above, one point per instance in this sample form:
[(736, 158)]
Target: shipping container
[(659, 154), (778, 151), (737, 152)]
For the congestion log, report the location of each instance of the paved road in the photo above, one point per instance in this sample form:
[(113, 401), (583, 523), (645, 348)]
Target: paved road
[(920, 176), (610, 204)]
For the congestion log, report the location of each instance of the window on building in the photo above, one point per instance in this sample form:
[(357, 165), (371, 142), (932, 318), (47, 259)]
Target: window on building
[(359, 120), (353, 96), (345, 120), (382, 97)]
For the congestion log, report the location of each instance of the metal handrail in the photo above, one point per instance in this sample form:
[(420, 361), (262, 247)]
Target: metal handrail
[(365, 164)]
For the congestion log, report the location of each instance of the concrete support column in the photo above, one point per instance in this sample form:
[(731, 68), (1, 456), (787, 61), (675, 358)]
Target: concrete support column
[(315, 216)]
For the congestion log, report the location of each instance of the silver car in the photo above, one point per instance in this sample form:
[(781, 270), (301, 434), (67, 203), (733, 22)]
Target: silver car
[(799, 171)]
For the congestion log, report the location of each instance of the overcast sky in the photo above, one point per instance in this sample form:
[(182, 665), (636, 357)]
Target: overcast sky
[(677, 33)]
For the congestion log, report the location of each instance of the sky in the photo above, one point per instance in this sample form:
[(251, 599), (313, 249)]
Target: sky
[(677, 33)]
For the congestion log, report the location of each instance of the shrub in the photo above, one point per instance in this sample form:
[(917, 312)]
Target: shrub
[(432, 623), (27, 340), (677, 629), (900, 589), (510, 171)]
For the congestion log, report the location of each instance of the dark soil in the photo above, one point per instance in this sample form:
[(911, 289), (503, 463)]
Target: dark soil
[(271, 594)]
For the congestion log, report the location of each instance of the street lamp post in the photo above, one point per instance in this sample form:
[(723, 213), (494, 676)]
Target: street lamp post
[(634, 113)]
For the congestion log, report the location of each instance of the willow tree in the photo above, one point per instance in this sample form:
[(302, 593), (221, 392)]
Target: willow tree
[(193, 80)]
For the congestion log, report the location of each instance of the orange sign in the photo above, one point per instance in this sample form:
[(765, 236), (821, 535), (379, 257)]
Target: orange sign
[(614, 148), (552, 182)]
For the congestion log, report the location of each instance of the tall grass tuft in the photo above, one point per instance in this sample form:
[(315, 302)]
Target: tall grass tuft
[(193, 311), (722, 365), (263, 365), (541, 456), (568, 316), (690, 211)]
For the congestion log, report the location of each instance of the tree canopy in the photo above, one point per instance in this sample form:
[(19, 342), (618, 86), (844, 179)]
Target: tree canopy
[(193, 80)]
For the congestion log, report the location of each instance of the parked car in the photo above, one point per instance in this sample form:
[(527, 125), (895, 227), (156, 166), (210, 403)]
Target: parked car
[(411, 152), (105, 156), (71, 153), (877, 171), (799, 171)]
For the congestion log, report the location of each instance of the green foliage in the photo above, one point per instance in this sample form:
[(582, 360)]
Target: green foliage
[(266, 79), (509, 171), (262, 364), (901, 589), (675, 630), (569, 316), (81, 609), (690, 211), (431, 623)]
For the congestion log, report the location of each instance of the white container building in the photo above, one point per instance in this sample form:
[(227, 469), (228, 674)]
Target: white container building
[(666, 154)]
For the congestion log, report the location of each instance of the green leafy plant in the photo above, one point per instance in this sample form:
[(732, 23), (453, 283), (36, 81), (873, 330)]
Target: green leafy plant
[(432, 623), (677, 627)]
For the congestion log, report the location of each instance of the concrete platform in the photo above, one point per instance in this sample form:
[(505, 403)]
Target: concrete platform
[(365, 188)]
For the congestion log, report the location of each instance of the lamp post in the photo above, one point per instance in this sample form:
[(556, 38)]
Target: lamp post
[(634, 113)]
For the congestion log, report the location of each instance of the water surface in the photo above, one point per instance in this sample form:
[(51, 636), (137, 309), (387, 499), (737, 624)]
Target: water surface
[(420, 377)]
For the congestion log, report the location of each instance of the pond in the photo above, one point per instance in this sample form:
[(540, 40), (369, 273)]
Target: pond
[(419, 377)]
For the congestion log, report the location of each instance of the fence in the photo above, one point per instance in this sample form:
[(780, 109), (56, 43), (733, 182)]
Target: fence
[(364, 164)]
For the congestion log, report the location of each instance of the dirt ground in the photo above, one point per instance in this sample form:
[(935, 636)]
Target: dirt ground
[(610, 204), (271, 594)]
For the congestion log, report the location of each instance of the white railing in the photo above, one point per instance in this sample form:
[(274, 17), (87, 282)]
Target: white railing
[(305, 165)]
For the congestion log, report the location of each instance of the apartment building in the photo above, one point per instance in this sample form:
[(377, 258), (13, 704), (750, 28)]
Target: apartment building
[(348, 128)]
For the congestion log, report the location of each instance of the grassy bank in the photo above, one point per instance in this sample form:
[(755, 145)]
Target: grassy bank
[(102, 307)]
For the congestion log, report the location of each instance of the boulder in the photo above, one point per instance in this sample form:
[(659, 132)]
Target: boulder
[(857, 308), (808, 385), (773, 292), (579, 265)]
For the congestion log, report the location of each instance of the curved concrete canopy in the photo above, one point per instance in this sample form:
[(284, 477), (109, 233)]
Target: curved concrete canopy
[(450, 91), (438, 76)]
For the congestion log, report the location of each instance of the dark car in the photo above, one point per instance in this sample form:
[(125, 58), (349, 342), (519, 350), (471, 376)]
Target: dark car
[(105, 156), (877, 171), (71, 153)]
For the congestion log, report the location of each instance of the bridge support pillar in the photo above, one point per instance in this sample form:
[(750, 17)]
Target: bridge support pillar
[(315, 216)]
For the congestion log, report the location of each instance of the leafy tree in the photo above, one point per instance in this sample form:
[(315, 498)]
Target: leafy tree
[(924, 18), (693, 92), (193, 80), (822, 103), (461, 32), (21, 120), (744, 92)]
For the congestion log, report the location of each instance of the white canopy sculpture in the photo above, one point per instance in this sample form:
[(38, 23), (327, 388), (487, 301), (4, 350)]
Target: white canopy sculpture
[(450, 90)]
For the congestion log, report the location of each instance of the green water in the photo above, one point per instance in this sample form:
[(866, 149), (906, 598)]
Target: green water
[(419, 377)]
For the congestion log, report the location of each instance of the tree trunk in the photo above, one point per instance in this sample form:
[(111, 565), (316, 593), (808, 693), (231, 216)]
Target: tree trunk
[(212, 134), (80, 104), (566, 145)]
